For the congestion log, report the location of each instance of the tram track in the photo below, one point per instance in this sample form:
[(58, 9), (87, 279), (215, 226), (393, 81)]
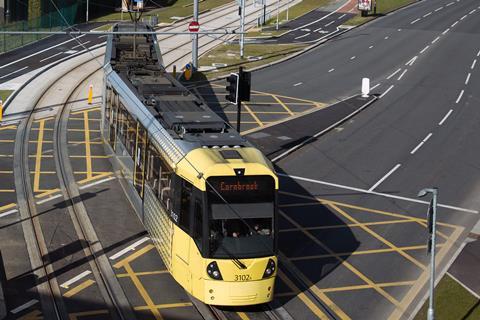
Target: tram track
[(54, 306)]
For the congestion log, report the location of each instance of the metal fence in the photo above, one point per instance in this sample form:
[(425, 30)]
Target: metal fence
[(52, 21)]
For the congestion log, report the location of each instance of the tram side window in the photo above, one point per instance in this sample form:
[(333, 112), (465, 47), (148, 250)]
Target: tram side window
[(185, 205), (122, 122), (153, 169), (198, 222), (165, 190), (131, 136), (108, 105)]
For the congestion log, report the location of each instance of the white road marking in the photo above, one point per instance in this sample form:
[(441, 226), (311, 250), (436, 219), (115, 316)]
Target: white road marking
[(353, 57), (129, 248), (48, 199), (329, 23), (472, 11), (9, 74), (75, 279), (459, 96), (398, 165), (52, 56), (333, 69), (478, 53), (411, 61), (454, 24), (386, 38), (393, 74), (445, 117), (370, 47), (297, 84), (6, 213), (424, 49), (473, 64), (448, 29), (24, 306), (386, 195), (103, 36), (82, 44), (468, 78), (95, 183), (70, 51), (343, 15), (302, 36), (386, 91), (316, 30), (438, 9), (449, 4), (416, 20), (426, 15), (403, 73), (375, 86), (41, 51), (399, 30), (435, 40), (421, 144), (306, 30), (463, 17)]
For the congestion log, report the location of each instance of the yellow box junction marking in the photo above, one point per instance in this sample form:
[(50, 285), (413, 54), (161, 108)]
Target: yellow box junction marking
[(302, 296), (38, 158), (77, 289)]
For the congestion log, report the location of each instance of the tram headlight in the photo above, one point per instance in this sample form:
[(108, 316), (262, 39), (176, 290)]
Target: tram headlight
[(270, 269), (213, 271)]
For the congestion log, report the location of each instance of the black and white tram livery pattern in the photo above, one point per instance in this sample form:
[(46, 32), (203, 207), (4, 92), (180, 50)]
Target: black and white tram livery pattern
[(207, 197)]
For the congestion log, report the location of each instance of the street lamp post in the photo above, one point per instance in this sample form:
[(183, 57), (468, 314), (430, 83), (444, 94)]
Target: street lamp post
[(432, 221), (278, 12)]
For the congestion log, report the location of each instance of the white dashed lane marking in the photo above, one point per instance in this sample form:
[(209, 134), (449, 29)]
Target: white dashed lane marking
[(445, 117)]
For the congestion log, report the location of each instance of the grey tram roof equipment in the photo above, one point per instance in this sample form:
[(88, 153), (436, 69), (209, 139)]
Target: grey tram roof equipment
[(176, 120)]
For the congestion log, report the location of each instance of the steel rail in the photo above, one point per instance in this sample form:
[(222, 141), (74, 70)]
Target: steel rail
[(27, 208), (105, 277)]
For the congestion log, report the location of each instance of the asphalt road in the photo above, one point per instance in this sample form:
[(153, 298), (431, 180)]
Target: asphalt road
[(42, 53), (313, 26), (422, 132)]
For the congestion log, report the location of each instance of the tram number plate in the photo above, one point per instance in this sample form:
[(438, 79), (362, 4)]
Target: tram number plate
[(242, 277)]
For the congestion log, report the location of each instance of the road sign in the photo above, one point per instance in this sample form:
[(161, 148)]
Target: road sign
[(194, 26)]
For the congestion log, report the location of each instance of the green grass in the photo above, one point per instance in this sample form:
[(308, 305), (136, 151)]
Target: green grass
[(105, 27), (383, 7), (181, 8), (229, 54), (452, 302), (4, 94)]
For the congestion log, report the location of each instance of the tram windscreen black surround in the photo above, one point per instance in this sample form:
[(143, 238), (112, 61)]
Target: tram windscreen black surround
[(243, 226)]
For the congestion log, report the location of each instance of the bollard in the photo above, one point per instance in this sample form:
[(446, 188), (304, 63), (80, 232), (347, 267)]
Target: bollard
[(365, 87), (90, 94), (174, 71), (1, 110)]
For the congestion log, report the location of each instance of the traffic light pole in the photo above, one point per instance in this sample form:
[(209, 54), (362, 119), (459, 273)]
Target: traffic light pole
[(239, 101), (195, 37), (242, 28)]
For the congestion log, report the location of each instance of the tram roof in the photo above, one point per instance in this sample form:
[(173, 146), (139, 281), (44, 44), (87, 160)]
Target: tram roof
[(183, 115)]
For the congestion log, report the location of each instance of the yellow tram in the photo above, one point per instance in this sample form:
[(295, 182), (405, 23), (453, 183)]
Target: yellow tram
[(206, 196)]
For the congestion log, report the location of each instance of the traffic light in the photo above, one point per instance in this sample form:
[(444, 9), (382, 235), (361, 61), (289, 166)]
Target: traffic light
[(245, 80), (232, 87)]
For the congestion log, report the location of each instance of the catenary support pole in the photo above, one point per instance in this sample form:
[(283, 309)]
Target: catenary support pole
[(195, 37)]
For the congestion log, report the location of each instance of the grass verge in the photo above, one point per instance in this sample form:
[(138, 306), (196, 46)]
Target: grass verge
[(452, 302), (181, 8), (229, 55), (4, 94), (383, 7)]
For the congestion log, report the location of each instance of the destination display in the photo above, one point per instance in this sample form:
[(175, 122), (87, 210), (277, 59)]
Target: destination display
[(238, 189)]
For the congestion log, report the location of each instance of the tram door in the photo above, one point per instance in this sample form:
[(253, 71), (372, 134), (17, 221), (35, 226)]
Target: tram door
[(182, 238)]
